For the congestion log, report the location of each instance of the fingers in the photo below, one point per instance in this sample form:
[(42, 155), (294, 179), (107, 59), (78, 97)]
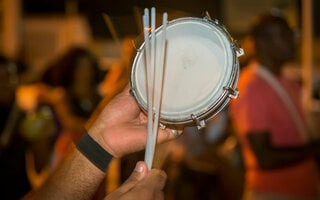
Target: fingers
[(141, 185), (155, 180), (150, 188), (140, 172)]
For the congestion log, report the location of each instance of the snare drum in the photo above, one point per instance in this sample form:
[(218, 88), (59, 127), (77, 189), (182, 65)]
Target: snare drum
[(200, 73)]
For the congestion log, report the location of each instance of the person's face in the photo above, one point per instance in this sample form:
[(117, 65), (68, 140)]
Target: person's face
[(8, 83)]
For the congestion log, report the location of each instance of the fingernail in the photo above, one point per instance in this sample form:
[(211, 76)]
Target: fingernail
[(138, 168)]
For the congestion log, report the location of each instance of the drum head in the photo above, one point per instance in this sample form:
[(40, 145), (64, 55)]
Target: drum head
[(199, 61)]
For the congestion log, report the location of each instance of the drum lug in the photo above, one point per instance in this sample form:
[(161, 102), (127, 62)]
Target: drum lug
[(200, 123), (207, 15), (217, 22), (239, 51), (233, 93)]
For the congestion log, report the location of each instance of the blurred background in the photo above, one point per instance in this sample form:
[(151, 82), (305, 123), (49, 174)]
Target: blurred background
[(37, 32)]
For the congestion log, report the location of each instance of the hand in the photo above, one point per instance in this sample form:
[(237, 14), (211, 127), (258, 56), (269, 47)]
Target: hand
[(142, 184), (121, 127)]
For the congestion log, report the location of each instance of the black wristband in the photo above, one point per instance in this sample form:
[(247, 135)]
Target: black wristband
[(94, 152)]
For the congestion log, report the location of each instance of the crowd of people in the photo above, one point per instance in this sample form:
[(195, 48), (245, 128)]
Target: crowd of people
[(60, 133)]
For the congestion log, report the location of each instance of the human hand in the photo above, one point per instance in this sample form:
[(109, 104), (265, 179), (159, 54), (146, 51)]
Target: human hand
[(121, 127), (142, 184)]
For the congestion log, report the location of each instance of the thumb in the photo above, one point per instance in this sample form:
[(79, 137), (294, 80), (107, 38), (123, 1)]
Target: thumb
[(140, 171)]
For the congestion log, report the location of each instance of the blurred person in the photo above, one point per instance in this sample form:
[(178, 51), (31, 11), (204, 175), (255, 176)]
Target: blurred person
[(66, 95), (76, 73), (13, 178), (279, 158), (118, 130)]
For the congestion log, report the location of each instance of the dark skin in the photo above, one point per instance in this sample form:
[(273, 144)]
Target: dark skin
[(274, 46)]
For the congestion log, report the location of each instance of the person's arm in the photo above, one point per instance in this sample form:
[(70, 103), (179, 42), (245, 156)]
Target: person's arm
[(76, 178), (270, 157), (119, 129)]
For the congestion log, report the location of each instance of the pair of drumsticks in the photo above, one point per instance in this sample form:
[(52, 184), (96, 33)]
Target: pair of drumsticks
[(154, 63)]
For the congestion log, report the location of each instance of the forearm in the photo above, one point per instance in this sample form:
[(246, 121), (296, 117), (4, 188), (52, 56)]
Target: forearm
[(77, 178), (281, 157), (270, 156)]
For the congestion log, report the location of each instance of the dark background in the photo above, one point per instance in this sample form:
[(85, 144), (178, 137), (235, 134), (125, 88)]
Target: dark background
[(121, 12)]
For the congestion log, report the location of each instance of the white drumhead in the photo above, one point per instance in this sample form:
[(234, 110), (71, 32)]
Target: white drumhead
[(198, 65)]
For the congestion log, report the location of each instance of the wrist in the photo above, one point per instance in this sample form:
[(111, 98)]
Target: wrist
[(94, 152), (98, 136)]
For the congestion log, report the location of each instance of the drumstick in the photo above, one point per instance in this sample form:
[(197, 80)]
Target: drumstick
[(154, 70), (152, 135), (147, 62), (148, 152), (159, 76)]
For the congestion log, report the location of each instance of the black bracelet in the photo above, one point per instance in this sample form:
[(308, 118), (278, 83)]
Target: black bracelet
[(94, 152)]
